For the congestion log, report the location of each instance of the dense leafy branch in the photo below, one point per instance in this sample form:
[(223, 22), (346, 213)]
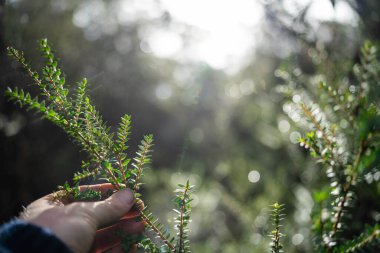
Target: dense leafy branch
[(342, 123), (107, 157)]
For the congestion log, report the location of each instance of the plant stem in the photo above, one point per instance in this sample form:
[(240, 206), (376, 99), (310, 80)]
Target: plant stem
[(319, 127), (181, 232), (158, 232)]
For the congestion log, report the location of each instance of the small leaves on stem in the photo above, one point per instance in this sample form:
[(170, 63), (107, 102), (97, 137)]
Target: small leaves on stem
[(107, 157), (275, 235)]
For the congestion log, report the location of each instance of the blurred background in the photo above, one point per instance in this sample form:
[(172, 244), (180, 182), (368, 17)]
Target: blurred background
[(202, 77)]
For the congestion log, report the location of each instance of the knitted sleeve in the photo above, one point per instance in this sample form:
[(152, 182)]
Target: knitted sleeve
[(18, 236)]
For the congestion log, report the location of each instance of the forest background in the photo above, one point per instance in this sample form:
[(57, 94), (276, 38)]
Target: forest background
[(207, 86)]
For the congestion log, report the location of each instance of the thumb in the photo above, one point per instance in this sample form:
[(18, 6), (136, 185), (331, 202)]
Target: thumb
[(113, 208)]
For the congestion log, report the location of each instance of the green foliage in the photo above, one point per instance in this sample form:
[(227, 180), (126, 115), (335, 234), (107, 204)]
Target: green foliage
[(142, 158), (88, 194), (107, 157), (161, 232), (341, 118), (364, 242), (183, 210), (128, 241), (179, 244), (275, 234), (76, 116)]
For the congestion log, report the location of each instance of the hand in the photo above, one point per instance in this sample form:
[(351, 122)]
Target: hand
[(78, 224)]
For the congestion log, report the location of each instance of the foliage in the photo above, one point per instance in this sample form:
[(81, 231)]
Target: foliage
[(343, 121), (107, 156), (240, 130), (275, 234), (183, 209)]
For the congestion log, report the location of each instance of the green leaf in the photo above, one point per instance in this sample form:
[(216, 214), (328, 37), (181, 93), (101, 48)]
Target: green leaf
[(322, 195), (107, 165), (370, 159)]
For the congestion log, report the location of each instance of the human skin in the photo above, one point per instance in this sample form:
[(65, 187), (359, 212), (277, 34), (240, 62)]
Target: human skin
[(86, 226)]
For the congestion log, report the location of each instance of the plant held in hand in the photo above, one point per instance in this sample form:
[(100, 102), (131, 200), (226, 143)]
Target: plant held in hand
[(107, 151)]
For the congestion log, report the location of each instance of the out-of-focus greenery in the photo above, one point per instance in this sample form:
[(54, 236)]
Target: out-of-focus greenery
[(341, 120), (227, 132)]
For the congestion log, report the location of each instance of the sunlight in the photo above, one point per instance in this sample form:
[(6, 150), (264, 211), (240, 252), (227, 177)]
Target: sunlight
[(224, 32), (323, 10), (164, 43), (227, 29)]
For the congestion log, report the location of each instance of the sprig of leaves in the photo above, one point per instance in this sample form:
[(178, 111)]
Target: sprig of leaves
[(183, 211), (368, 241), (276, 235), (107, 157), (141, 160)]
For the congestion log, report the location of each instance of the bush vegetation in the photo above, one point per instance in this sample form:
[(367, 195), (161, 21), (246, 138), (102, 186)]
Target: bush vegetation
[(343, 118), (340, 114), (217, 127), (107, 156)]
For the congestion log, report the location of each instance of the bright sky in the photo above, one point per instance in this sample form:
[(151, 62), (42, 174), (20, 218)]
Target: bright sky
[(224, 32), (228, 28)]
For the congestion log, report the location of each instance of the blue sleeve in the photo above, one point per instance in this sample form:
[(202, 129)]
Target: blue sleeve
[(18, 236)]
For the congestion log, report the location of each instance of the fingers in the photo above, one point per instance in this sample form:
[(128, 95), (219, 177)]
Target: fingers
[(131, 214), (116, 249), (108, 211), (108, 237), (128, 227), (98, 187), (119, 249)]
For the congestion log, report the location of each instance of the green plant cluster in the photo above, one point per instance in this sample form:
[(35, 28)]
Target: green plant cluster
[(341, 118), (341, 115), (107, 152)]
